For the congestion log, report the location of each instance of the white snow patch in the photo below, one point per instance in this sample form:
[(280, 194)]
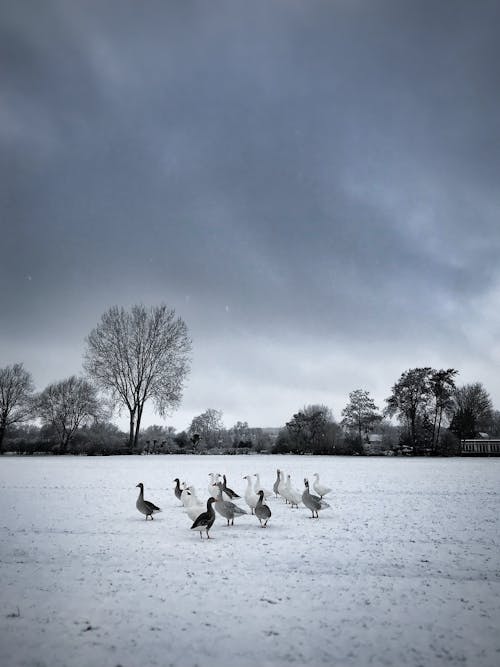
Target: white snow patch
[(403, 570)]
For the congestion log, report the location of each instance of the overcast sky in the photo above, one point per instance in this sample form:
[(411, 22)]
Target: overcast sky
[(313, 186)]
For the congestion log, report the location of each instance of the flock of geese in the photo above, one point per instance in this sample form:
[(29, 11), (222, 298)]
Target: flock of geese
[(221, 498)]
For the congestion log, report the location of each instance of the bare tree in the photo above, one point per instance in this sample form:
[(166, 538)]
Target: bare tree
[(139, 355), (16, 389), (67, 405)]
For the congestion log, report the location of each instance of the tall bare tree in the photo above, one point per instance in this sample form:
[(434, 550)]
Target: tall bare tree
[(16, 389), (67, 405), (139, 355)]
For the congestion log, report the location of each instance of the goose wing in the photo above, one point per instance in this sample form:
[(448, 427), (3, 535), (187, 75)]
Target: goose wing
[(152, 506)]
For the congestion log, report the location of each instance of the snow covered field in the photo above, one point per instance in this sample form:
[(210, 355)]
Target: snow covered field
[(402, 570)]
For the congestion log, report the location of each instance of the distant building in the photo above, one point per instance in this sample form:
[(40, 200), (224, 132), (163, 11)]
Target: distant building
[(374, 445), (482, 446)]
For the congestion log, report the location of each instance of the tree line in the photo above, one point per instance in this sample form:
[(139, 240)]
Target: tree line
[(132, 357)]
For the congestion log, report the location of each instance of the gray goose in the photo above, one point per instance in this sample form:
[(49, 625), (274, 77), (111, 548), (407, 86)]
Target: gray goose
[(276, 483), (262, 511), (145, 506), (205, 520), (314, 503), (229, 492), (177, 490), (226, 508)]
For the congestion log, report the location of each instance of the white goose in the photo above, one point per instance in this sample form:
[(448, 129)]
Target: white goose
[(291, 494), (186, 496), (320, 489), (189, 497), (193, 506), (258, 487), (251, 498), (213, 482), (281, 485)]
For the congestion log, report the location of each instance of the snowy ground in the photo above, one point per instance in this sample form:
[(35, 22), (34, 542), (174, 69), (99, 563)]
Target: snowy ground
[(403, 570)]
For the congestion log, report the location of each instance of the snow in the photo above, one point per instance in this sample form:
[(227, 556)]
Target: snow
[(403, 569)]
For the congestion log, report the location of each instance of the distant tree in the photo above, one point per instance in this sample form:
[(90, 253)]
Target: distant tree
[(442, 387), (99, 438), (493, 426), (139, 355), (68, 404), (390, 434), (283, 443), (22, 438), (311, 430), (448, 445), (208, 427), (241, 434), (157, 438), (16, 392), (409, 400), (182, 440), (470, 411), (360, 414), (261, 441)]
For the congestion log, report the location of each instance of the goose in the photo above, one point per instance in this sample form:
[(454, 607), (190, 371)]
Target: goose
[(213, 482), (190, 499), (250, 497), (262, 511), (226, 508), (177, 489), (281, 485), (145, 506), (314, 503), (186, 496), (276, 483), (205, 520), (320, 489), (293, 496), (229, 492), (194, 510), (257, 487), (193, 506)]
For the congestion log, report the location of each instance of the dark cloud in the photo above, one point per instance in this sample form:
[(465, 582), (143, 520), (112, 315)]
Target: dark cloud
[(294, 178)]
